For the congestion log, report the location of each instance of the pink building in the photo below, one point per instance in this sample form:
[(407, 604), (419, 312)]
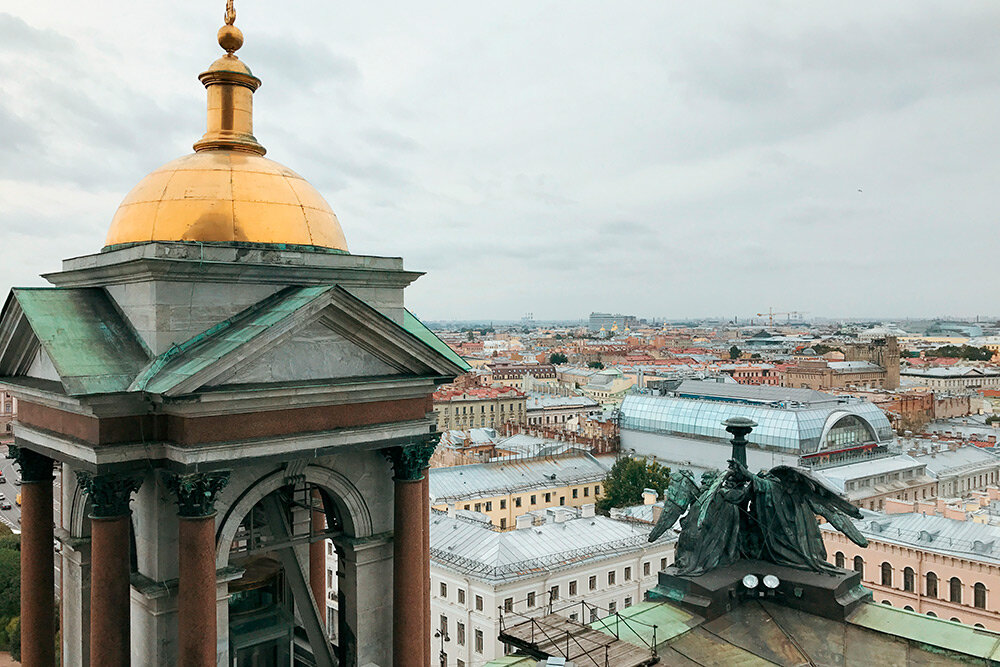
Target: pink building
[(929, 564)]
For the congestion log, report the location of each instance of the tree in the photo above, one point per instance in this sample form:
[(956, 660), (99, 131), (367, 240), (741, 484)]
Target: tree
[(469, 336), (734, 352), (595, 364), (557, 358), (626, 480)]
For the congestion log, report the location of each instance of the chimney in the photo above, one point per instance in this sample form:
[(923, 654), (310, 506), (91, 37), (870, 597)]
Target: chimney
[(649, 496), (451, 510), (587, 510), (523, 521)]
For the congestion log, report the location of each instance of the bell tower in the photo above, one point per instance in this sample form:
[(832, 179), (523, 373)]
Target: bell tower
[(239, 410)]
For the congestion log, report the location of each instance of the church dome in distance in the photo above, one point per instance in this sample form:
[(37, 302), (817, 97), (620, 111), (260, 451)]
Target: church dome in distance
[(227, 191)]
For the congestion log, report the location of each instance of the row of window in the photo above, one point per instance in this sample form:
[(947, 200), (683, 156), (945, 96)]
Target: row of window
[(533, 498), (955, 585), (482, 408)]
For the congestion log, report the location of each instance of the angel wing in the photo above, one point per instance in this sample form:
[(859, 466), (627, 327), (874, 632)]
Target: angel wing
[(678, 497), (823, 500)]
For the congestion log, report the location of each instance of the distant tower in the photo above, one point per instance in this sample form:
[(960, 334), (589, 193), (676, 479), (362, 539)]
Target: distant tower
[(226, 393)]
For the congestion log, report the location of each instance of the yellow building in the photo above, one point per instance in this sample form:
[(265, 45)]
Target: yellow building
[(478, 407), (505, 490)]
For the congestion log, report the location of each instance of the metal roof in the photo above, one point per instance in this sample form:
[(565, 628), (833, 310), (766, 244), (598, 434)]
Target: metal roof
[(511, 476), (946, 461), (92, 347), (430, 339), (478, 551)]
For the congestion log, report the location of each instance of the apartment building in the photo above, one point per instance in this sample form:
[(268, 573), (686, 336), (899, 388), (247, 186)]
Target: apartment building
[(478, 407), (561, 560), (505, 490)]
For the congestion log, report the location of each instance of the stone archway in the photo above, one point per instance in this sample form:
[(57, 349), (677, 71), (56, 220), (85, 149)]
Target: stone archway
[(352, 508)]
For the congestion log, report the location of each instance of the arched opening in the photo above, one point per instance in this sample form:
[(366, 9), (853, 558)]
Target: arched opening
[(979, 625), (979, 596), (955, 590), (848, 431), (932, 614), (886, 602), (908, 608), (859, 565), (932, 585), (272, 544), (908, 579), (886, 574), (838, 559)]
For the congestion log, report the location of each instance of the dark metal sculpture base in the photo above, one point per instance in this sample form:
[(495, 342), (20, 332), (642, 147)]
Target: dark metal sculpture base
[(715, 593)]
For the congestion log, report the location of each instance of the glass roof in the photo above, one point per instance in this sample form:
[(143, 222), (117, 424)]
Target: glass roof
[(801, 430)]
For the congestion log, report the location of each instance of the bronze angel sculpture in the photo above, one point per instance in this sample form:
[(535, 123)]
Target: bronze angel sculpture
[(768, 516)]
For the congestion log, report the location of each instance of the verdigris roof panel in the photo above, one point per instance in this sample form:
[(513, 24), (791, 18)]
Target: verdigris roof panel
[(92, 347)]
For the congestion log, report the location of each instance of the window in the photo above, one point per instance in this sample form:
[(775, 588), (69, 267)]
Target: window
[(586, 492), (663, 564), (628, 602), (466, 505), (503, 503), (444, 590), (573, 616), (979, 596), (461, 596), (955, 590), (531, 599), (612, 607), (645, 569), (628, 574), (593, 583), (593, 615), (562, 500), (533, 500), (859, 565), (479, 506), (479, 603), (611, 578), (576, 493), (908, 579), (838, 559), (931, 585), (517, 501), (508, 605), (503, 522), (553, 594), (479, 641), (460, 663), (886, 574), (489, 505), (597, 490), (548, 497), (444, 625), (572, 588)]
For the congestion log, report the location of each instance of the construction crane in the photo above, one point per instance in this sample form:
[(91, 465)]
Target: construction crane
[(771, 313)]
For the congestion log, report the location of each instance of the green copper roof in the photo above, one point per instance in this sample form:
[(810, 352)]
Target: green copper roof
[(195, 354), (512, 661), (429, 338), (635, 624), (91, 346), (927, 630)]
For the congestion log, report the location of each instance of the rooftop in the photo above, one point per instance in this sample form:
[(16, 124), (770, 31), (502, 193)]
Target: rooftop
[(474, 550), (507, 476)]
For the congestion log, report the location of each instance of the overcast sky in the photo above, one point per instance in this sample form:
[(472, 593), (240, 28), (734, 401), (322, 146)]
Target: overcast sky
[(667, 159)]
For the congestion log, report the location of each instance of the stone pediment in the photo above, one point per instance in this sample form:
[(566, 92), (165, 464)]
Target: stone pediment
[(300, 334)]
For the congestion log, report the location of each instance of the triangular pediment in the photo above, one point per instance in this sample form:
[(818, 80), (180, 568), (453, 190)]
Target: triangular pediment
[(300, 334), (314, 352)]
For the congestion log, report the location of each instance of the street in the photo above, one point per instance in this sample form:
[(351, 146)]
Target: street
[(11, 517)]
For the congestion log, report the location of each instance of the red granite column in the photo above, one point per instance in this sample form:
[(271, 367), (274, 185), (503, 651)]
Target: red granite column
[(425, 558), (37, 559), (196, 594), (109, 592), (409, 635), (197, 629), (317, 560), (110, 627)]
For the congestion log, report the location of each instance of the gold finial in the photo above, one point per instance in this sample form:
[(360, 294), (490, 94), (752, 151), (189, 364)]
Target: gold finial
[(230, 37)]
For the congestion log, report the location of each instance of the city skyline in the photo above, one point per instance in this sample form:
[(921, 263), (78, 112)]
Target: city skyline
[(665, 159)]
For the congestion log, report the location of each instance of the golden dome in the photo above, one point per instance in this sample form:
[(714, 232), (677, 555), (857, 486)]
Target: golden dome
[(223, 196), (226, 191)]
